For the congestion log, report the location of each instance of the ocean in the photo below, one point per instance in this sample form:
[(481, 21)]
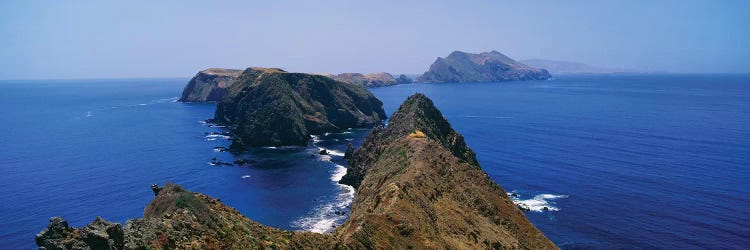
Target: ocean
[(602, 161)]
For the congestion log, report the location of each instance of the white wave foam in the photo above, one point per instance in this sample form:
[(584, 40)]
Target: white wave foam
[(142, 104), (211, 137), (89, 114), (324, 218), (171, 99), (332, 151), (539, 203), (245, 176), (318, 222), (338, 173), (316, 138)]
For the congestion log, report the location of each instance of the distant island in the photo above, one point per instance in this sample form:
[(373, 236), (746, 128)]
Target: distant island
[(565, 67), (212, 85), (419, 187), (483, 67), (381, 79)]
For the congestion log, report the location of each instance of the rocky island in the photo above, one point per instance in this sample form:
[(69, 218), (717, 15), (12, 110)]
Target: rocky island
[(272, 107), (209, 85), (483, 67), (419, 187), (373, 80)]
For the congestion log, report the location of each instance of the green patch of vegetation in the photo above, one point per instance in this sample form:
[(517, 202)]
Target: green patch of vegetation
[(185, 200)]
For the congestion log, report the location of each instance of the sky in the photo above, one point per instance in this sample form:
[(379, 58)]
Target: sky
[(128, 39)]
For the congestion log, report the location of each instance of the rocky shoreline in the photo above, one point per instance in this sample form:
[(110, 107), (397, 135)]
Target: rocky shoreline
[(419, 186)]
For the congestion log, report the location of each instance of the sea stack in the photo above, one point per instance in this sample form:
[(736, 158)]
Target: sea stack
[(483, 67), (272, 107), (209, 85), (420, 187)]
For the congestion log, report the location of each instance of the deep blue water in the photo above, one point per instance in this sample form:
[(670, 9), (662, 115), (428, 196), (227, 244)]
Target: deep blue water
[(636, 161)]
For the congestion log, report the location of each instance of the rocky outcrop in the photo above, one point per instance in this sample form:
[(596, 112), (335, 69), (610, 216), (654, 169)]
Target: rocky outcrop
[(100, 234), (272, 107), (483, 67), (373, 80), (417, 113), (179, 219), (423, 189), (209, 85)]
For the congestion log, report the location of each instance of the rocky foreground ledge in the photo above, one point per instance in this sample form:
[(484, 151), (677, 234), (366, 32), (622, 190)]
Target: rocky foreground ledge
[(180, 219), (419, 187)]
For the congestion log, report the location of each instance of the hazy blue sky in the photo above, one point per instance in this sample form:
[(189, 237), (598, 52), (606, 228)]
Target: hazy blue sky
[(94, 39)]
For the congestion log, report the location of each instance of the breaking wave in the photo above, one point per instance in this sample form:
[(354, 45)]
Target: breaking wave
[(213, 137), (325, 217), (539, 203)]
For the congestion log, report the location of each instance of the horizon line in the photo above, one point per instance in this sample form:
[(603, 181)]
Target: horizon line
[(189, 77)]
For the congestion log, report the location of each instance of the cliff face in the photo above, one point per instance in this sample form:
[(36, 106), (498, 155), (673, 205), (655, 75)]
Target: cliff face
[(416, 113), (483, 67), (422, 188), (373, 80), (209, 85), (271, 107)]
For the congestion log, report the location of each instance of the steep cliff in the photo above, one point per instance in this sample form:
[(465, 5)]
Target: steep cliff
[(416, 113), (483, 67), (419, 186), (209, 85), (272, 107)]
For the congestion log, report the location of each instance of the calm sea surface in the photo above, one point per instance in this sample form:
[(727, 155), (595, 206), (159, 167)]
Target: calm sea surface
[(620, 161)]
